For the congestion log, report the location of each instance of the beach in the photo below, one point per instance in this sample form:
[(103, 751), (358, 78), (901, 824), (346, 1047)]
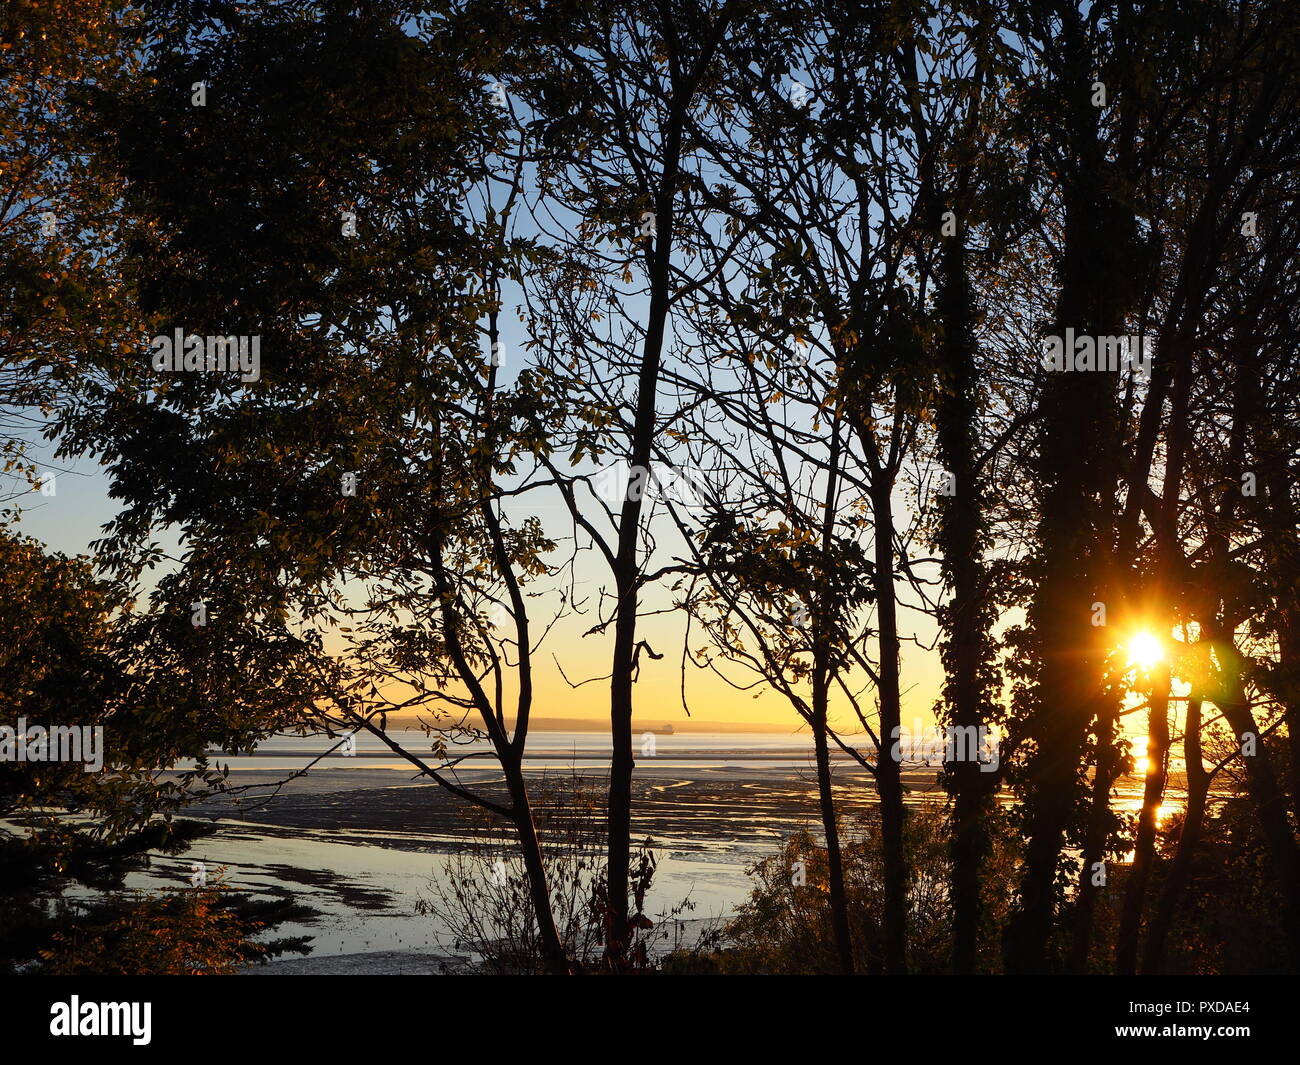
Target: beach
[(360, 838), (361, 844)]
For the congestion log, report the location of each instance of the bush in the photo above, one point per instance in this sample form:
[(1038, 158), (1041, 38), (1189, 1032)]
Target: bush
[(785, 926), (178, 933), (483, 894)]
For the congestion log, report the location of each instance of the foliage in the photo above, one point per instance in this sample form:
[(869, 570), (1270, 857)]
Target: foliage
[(195, 932), (481, 893), (785, 926)]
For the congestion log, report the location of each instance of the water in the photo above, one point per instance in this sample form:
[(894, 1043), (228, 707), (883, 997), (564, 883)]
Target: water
[(580, 750), (364, 849)]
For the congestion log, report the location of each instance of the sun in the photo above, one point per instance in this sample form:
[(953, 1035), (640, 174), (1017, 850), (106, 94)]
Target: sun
[(1145, 651)]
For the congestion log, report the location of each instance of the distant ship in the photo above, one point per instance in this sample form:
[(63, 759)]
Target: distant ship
[(667, 730)]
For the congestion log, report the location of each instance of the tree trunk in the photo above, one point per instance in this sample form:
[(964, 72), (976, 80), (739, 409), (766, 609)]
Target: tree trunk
[(1075, 534), (1169, 565), (1198, 789), (1157, 775), (965, 620), (627, 570), (1267, 797), (834, 857), (553, 952), (888, 770), (1094, 845), (821, 678), (1283, 562)]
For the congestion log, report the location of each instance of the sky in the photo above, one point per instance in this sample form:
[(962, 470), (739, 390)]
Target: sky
[(71, 518)]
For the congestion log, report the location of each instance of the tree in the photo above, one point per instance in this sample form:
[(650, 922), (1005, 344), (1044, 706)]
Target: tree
[(615, 87), (363, 468)]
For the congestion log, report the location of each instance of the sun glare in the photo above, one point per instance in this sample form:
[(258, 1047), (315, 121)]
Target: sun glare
[(1144, 651)]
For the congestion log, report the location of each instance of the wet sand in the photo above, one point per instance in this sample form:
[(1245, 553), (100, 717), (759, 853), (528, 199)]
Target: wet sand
[(707, 804), (362, 846)]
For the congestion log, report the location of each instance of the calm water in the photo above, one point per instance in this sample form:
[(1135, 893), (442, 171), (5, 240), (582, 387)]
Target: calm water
[(582, 750), (366, 881), (555, 749)]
